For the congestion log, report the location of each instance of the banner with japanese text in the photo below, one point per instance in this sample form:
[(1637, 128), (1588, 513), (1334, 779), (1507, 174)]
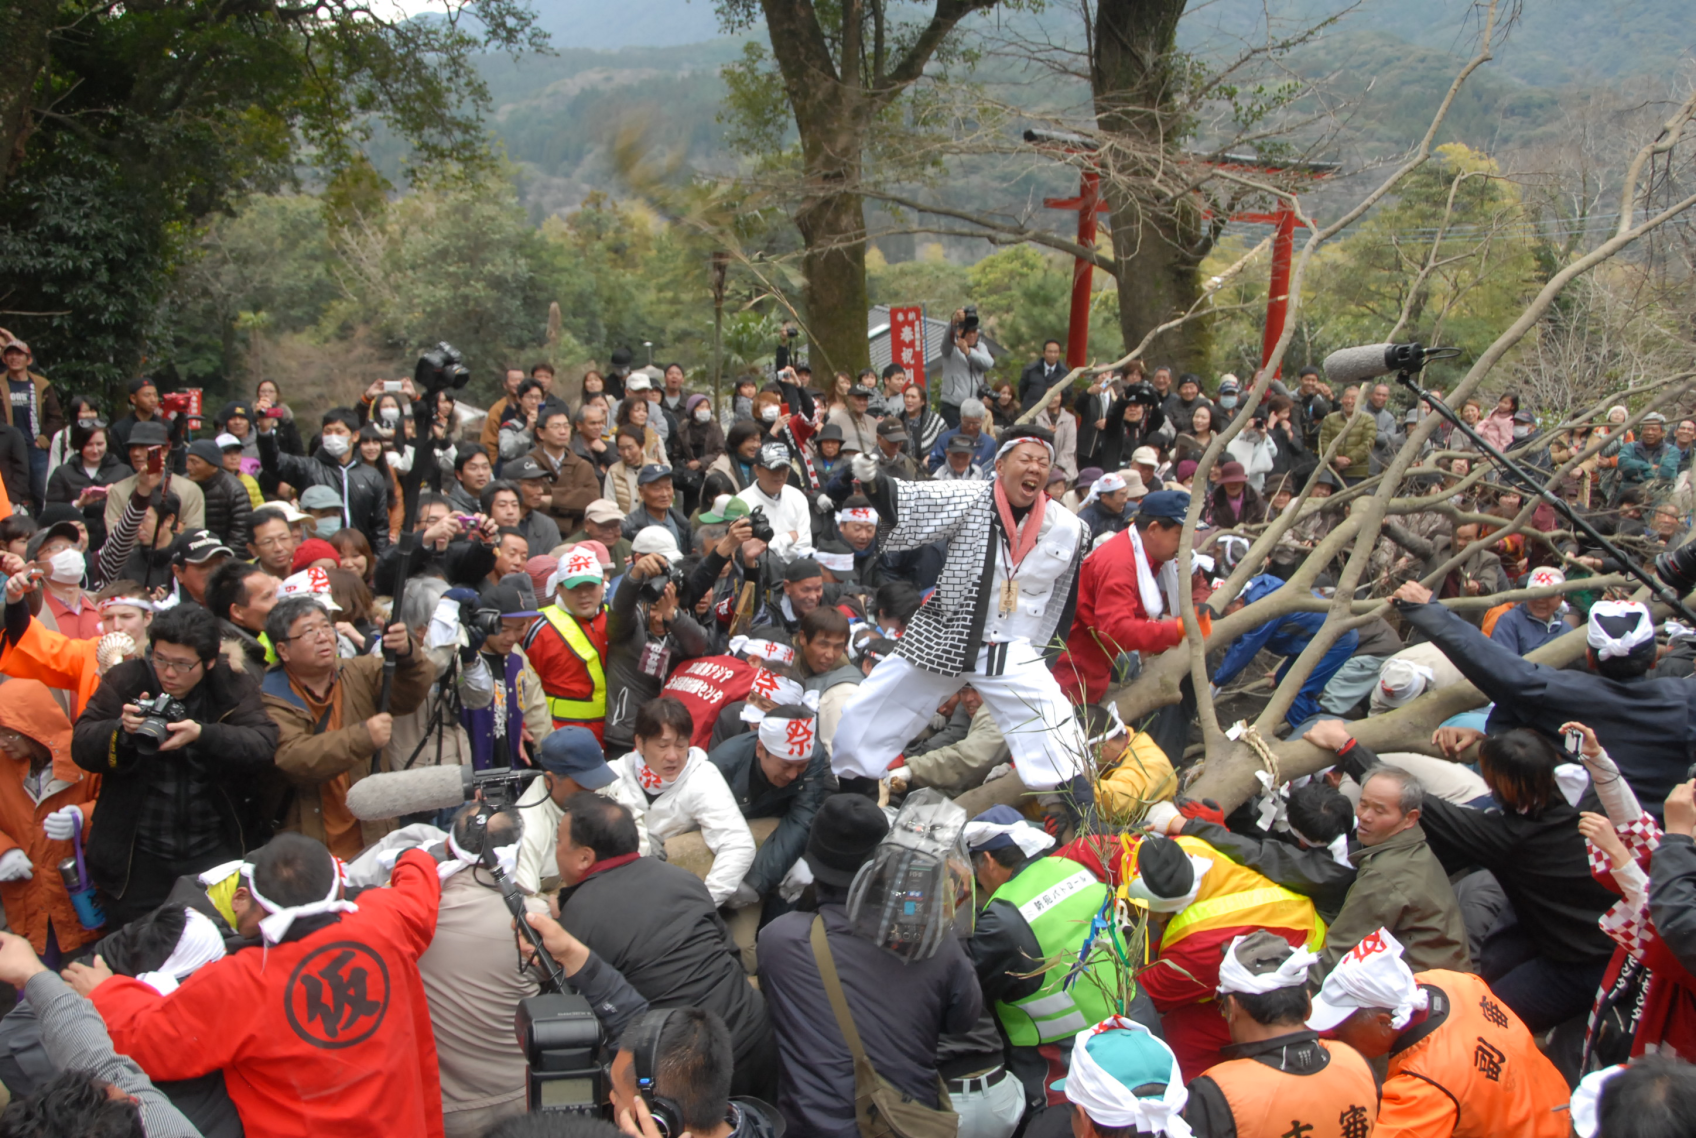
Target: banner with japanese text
[(907, 341)]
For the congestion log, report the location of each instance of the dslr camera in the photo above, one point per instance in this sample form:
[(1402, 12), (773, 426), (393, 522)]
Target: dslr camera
[(652, 589), (1143, 392), (155, 714), (968, 319), (759, 528), (440, 368)]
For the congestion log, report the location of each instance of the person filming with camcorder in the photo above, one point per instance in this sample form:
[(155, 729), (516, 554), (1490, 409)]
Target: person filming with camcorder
[(179, 741)]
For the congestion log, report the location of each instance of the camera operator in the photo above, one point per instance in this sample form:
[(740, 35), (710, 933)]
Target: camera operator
[(172, 791), (517, 713), (434, 733), (330, 732), (459, 554), (686, 1054), (964, 364), (648, 634)]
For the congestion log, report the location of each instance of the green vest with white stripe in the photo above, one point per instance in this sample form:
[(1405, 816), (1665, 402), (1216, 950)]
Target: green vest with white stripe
[(1060, 899)]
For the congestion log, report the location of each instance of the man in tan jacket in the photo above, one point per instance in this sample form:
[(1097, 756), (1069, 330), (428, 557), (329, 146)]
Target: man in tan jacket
[(329, 731)]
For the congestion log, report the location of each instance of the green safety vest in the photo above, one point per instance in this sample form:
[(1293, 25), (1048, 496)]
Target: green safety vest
[(1059, 899)]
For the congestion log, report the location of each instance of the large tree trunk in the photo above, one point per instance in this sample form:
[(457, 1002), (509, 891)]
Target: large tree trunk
[(24, 28), (1157, 246), (833, 224)]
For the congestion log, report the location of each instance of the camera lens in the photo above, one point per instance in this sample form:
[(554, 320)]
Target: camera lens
[(1677, 567)]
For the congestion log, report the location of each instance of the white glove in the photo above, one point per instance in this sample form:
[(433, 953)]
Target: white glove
[(1159, 817), (864, 467), (15, 866), (824, 505), (61, 824)]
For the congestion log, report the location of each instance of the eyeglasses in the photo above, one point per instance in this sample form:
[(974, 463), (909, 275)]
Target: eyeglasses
[(168, 667), (273, 542), (316, 632)]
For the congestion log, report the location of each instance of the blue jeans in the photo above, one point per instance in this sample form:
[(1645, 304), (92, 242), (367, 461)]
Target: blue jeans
[(37, 475)]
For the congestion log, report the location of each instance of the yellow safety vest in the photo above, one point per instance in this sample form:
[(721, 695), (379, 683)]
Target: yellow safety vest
[(582, 710)]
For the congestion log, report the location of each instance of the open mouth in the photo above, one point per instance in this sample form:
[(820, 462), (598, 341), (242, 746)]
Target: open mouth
[(1031, 485)]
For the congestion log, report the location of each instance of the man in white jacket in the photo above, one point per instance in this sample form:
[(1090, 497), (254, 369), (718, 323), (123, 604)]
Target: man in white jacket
[(786, 508), (678, 790)]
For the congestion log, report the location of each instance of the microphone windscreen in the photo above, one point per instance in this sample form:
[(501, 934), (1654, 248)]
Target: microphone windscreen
[(1351, 365), (397, 793)]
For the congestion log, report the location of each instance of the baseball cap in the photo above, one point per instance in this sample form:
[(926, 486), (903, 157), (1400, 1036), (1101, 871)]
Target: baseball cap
[(149, 435), (599, 550), (602, 511), (573, 753), (1145, 456), (40, 537), (638, 381), (861, 390), (1168, 505), (1523, 415), (18, 344), (579, 566), (1371, 975), (656, 539), (227, 441), (235, 410), (652, 473), (726, 510), (320, 498), (137, 384), (541, 569), (892, 430), (289, 512), (773, 456), (509, 601), (960, 444), (207, 451), (197, 546), (522, 469), (1111, 1062), (1228, 382), (1545, 577)]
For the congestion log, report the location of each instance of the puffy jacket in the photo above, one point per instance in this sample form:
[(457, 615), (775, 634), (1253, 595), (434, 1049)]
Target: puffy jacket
[(571, 487), (69, 479), (227, 508), (361, 487), (700, 800), (1359, 434), (794, 805)]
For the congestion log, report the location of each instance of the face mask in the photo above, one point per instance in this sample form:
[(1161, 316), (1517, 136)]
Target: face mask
[(1227, 401), (336, 446), (390, 415), (1520, 430), (327, 526), (769, 413), (703, 414), (67, 566)]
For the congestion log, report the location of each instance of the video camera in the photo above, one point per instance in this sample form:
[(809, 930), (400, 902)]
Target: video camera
[(440, 368), (1143, 392)]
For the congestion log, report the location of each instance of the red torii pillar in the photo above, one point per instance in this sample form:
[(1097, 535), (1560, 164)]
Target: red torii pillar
[(1284, 222), (1088, 203)]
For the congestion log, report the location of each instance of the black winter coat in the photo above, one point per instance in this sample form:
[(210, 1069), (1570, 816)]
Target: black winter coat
[(236, 749), (367, 492), (227, 509), (14, 465), (795, 804), (69, 479)]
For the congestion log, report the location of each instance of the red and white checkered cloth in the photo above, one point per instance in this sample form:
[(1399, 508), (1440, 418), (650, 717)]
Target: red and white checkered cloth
[(1627, 921)]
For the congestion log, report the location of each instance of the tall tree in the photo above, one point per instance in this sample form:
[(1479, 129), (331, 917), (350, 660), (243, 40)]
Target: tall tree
[(842, 64)]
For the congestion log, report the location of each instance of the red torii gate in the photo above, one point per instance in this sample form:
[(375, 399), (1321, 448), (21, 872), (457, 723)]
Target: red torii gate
[(1088, 204)]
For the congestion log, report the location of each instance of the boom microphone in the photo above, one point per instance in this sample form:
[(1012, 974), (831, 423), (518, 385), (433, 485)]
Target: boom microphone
[(1352, 365), (398, 793)]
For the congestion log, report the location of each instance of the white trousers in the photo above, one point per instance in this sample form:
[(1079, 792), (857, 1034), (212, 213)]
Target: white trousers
[(990, 1112), (898, 699)]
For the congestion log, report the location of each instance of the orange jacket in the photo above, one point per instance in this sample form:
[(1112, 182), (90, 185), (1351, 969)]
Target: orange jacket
[(28, 708), (57, 660), (1336, 1101), (1474, 1072)]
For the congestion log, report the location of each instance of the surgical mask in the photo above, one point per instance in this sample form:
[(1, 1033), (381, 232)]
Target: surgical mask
[(1520, 430), (1227, 401), (67, 566), (337, 446), (769, 412), (324, 527), (390, 415), (703, 414)]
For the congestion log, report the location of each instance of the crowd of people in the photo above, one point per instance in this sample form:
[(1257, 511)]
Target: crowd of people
[(794, 722)]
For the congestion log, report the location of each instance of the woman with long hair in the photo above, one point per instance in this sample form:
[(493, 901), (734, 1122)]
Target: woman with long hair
[(374, 451), (923, 426), (82, 479), (1004, 408), (633, 413), (80, 411), (1200, 437), (355, 552), (356, 631), (736, 464), (267, 398)]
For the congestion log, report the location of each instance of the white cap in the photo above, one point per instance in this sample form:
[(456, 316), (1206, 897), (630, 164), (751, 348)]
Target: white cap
[(1372, 975), (1545, 577), (1402, 681), (656, 539), (638, 381), (309, 582), (579, 566), (226, 440)]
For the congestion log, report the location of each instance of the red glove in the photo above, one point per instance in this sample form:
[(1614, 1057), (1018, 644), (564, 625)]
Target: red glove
[(1205, 809)]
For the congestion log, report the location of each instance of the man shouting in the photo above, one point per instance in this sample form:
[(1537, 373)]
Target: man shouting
[(1008, 584)]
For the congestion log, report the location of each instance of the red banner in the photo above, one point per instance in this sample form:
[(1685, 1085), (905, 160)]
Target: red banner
[(907, 341)]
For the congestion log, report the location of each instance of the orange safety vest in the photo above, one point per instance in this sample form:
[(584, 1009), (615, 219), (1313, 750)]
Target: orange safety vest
[(1233, 895), (1481, 1060), (1340, 1100)]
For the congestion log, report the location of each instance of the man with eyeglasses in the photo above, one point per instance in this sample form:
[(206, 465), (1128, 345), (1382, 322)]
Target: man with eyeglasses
[(180, 804), (272, 542), (330, 731)]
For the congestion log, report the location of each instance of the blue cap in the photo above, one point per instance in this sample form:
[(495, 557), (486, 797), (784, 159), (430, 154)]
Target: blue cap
[(1133, 1059), (571, 752), (997, 816), (652, 472), (1168, 505)]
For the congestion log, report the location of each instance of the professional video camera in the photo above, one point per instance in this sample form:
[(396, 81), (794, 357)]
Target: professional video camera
[(1677, 567), (156, 713), (440, 368), (1143, 392), (759, 528)]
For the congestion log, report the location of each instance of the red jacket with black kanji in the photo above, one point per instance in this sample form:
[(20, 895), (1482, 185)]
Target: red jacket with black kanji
[(327, 1035), (1109, 620), (706, 686)]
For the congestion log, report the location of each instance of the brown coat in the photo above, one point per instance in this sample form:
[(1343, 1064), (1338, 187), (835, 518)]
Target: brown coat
[(573, 486), (50, 412), (308, 759)]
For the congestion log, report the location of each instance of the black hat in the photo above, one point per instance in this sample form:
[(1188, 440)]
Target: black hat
[(621, 357), (207, 451), (66, 530), (522, 469), (59, 512), (196, 546), (830, 434), (892, 430), (960, 444), (847, 828), (860, 390), (149, 434), (1164, 869), (137, 384), (652, 472), (236, 409), (802, 569)]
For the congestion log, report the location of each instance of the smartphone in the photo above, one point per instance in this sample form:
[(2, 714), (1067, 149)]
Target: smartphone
[(1574, 740), (155, 460), (98, 491), (391, 385)]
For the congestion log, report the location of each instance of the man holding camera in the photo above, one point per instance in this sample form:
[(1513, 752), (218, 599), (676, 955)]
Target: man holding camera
[(180, 741), (149, 455), (330, 727), (648, 634), (964, 364), (363, 490), (786, 509)]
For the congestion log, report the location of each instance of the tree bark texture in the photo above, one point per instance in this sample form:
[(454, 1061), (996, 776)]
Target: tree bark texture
[(25, 27)]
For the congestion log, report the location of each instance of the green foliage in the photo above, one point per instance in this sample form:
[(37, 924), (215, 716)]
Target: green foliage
[(1025, 298), (755, 110), (931, 280)]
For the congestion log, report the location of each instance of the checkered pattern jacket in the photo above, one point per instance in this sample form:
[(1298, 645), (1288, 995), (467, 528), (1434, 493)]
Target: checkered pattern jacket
[(947, 632)]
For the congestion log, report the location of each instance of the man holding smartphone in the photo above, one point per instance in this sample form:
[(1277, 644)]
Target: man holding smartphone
[(363, 491), (150, 450)]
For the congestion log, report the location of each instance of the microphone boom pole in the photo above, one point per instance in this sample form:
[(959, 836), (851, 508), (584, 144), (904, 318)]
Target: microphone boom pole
[(1658, 589)]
